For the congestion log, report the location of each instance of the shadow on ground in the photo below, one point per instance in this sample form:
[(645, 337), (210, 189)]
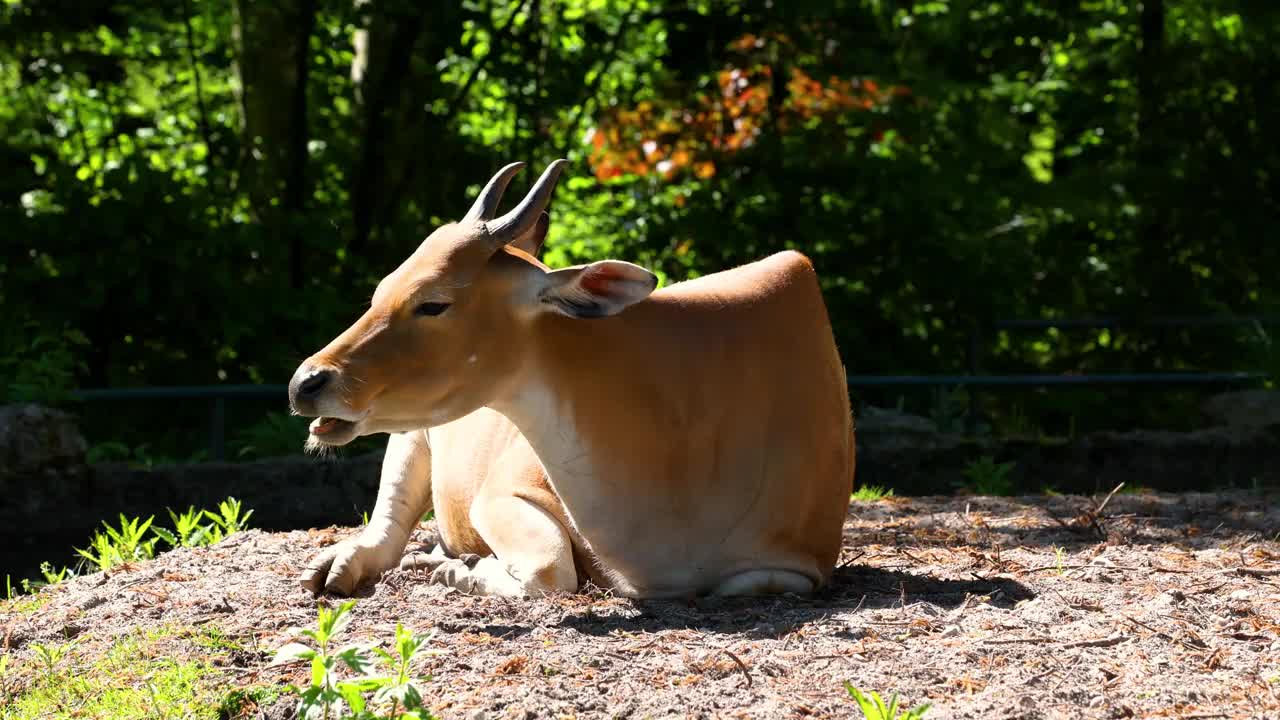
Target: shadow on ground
[(852, 587)]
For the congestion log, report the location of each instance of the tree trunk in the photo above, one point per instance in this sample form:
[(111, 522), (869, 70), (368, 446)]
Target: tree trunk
[(384, 51), (1153, 243), (272, 62)]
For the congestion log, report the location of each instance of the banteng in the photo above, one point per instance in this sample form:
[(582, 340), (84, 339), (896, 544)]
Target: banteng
[(576, 424)]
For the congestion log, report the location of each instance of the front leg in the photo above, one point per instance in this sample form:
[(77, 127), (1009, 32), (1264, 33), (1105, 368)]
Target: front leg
[(404, 496), (533, 554)]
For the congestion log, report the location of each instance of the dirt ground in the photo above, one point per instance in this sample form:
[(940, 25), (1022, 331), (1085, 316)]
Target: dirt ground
[(1038, 607)]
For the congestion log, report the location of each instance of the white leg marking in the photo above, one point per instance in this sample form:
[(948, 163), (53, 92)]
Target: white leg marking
[(765, 582)]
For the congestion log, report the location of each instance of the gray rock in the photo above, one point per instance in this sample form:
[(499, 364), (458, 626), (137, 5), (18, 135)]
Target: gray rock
[(34, 438), (1244, 408)]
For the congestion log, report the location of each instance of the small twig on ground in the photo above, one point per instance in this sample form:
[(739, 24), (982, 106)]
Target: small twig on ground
[(1054, 567), (1110, 495), (1014, 641), (1255, 572), (1108, 641), (851, 560), (1039, 676), (1166, 636), (955, 615), (741, 665)]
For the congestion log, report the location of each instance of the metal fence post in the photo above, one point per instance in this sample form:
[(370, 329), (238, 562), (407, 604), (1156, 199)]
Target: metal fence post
[(217, 425), (975, 366)]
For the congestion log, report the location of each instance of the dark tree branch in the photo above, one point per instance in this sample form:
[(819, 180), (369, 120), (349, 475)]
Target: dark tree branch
[(499, 35), (296, 188), (378, 95)]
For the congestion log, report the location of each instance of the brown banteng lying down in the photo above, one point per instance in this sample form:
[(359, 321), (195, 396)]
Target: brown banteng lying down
[(570, 424)]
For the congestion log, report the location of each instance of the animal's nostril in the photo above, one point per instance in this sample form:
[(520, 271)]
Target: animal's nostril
[(312, 384)]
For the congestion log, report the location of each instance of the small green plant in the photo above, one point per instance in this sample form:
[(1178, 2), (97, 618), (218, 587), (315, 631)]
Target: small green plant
[(50, 575), (187, 531), (53, 577), (327, 696), (869, 493), (228, 520), (120, 545), (50, 656), (874, 708), (5, 693), (1060, 554), (987, 477), (8, 587)]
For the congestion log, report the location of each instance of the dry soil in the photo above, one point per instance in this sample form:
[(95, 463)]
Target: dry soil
[(1146, 605)]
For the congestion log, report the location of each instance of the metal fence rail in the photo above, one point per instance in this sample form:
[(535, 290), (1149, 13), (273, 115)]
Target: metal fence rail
[(217, 395)]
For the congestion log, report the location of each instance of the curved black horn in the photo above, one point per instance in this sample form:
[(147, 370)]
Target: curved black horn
[(523, 216), (487, 201)]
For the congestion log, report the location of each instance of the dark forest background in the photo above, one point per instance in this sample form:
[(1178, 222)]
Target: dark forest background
[(205, 191)]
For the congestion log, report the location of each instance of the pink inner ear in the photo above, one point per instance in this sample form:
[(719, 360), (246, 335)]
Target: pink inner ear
[(599, 280)]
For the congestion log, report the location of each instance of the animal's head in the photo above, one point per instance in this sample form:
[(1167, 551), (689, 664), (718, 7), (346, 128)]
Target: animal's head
[(451, 327)]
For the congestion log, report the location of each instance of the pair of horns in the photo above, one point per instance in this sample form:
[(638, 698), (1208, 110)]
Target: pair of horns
[(522, 217)]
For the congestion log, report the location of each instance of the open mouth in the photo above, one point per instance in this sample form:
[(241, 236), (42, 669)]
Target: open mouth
[(331, 426)]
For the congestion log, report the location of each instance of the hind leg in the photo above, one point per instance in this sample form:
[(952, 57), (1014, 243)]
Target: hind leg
[(765, 582)]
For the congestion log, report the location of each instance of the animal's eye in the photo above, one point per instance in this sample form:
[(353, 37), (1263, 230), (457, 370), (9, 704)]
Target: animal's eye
[(430, 309)]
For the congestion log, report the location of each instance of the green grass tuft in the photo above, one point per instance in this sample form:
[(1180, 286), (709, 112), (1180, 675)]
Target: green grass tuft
[(129, 681), (869, 493), (874, 708)]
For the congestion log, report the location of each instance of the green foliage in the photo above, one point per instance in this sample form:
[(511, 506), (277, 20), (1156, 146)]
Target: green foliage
[(171, 229), (240, 702), (398, 694), (228, 519), (870, 493), (133, 680), (6, 693), (874, 708), (187, 529), (138, 456), (987, 477), (274, 435), (50, 657), (117, 546), (40, 367), (129, 542)]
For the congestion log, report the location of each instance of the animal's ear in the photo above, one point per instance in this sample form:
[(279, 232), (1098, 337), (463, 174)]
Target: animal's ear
[(596, 290), (531, 242)]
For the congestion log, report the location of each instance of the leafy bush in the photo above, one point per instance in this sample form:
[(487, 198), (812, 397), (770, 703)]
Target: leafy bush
[(39, 367), (987, 477)]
